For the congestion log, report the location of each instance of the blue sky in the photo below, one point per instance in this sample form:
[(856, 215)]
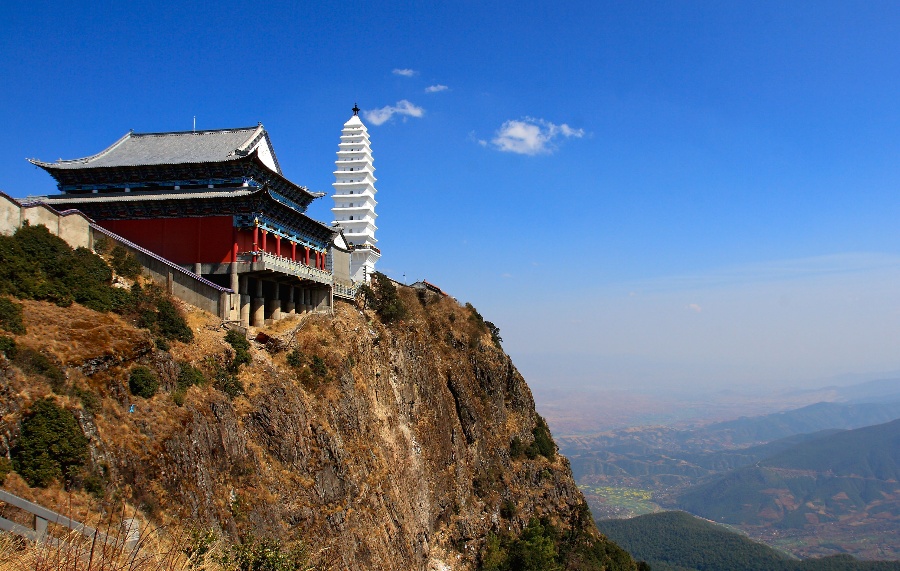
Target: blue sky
[(641, 194)]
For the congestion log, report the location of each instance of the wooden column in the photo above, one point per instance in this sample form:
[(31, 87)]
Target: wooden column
[(255, 241)]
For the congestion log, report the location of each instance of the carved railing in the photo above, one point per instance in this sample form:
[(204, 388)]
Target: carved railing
[(287, 266)]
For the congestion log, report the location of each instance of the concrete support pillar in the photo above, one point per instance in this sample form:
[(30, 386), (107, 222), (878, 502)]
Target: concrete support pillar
[(235, 281), (290, 307), (273, 305), (245, 302), (258, 307)]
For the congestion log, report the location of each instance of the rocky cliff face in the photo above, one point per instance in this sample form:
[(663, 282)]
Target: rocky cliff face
[(382, 446)]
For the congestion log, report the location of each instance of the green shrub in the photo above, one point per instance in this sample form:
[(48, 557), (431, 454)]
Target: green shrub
[(295, 358), (11, 316), (102, 244), (384, 298), (35, 363), (90, 401), (8, 347), (508, 509), (318, 367), (534, 550), (543, 441), (5, 468), (268, 554), (516, 448), (35, 264), (481, 325), (142, 382), (241, 348), (189, 375), (495, 333), (124, 262), (171, 322), (493, 556), (50, 446)]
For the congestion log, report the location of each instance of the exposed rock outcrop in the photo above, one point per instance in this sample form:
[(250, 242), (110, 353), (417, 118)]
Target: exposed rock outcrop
[(386, 445)]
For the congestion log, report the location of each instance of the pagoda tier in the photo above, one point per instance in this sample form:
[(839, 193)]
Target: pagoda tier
[(354, 197)]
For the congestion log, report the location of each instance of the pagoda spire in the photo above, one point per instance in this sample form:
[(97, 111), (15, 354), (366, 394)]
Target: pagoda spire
[(354, 197)]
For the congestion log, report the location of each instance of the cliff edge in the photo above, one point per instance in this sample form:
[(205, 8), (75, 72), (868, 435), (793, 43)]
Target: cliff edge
[(395, 438)]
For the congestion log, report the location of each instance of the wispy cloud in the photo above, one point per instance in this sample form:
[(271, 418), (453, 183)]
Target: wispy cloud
[(436, 88), (531, 136), (405, 72), (776, 271), (403, 107)]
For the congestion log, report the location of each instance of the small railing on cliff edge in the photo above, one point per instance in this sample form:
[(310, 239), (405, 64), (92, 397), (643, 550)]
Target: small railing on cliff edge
[(43, 517)]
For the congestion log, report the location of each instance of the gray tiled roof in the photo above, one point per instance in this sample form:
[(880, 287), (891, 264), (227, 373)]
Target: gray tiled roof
[(145, 196), (137, 149)]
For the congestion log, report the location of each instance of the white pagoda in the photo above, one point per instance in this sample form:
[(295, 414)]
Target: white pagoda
[(354, 197)]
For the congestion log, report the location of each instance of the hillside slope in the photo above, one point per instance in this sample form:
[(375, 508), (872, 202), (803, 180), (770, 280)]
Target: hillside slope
[(676, 541), (382, 445), (848, 477)]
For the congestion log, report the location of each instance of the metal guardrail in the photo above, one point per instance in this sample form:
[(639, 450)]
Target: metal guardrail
[(345, 291), (43, 517)]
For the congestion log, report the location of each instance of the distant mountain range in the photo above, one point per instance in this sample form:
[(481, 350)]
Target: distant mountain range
[(829, 478), (812, 418), (677, 541), (818, 480)]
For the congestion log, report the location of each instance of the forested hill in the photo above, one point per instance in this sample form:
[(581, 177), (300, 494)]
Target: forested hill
[(677, 541), (870, 452), (850, 478)]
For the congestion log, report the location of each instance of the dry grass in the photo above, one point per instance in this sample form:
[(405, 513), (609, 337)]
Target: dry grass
[(155, 551), (76, 334)]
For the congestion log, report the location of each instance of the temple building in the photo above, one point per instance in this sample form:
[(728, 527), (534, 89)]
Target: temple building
[(354, 197), (216, 203)]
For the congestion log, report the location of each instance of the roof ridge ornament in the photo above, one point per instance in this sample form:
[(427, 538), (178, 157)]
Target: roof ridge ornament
[(355, 108)]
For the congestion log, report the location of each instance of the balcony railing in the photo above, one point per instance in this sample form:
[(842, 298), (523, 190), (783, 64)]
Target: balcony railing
[(287, 266)]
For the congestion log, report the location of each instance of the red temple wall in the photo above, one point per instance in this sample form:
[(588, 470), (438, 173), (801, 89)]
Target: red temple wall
[(184, 240)]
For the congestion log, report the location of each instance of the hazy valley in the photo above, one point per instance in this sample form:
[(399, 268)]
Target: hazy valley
[(815, 480)]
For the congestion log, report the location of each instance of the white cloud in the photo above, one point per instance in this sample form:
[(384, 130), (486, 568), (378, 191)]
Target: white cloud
[(436, 88), (403, 107), (531, 136), (405, 72)]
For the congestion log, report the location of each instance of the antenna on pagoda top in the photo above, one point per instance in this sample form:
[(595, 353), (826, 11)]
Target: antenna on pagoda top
[(355, 109)]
